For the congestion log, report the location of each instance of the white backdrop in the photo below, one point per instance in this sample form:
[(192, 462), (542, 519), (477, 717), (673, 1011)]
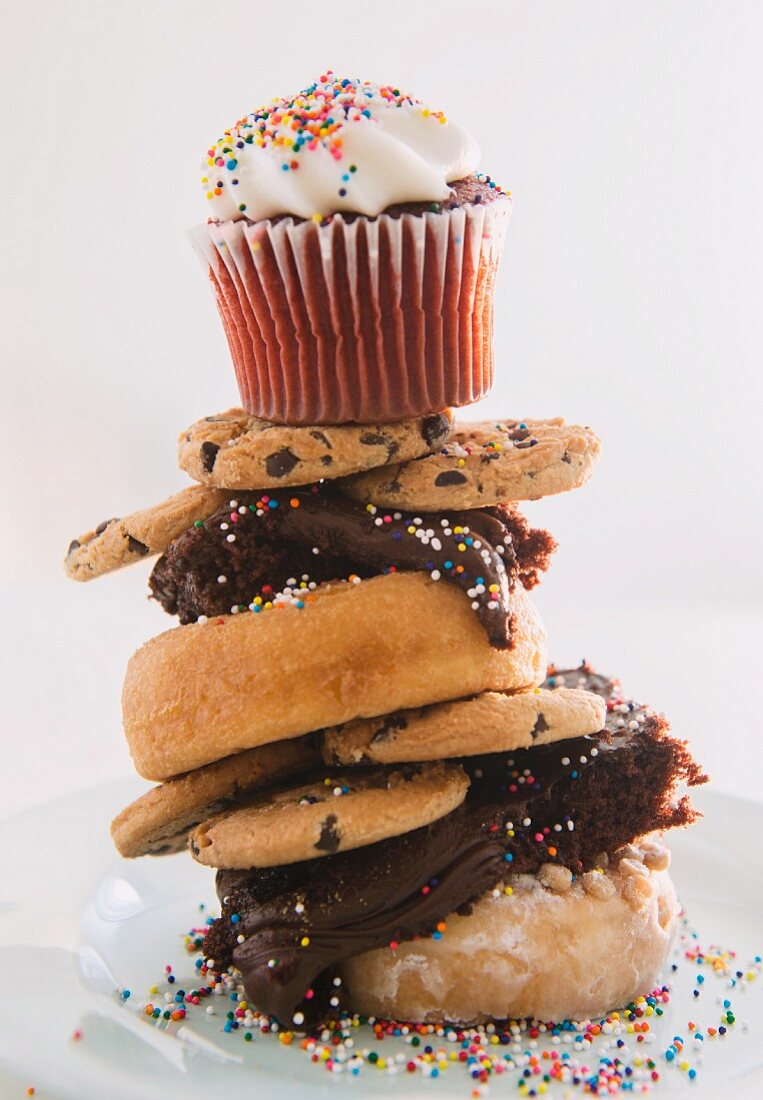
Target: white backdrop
[(630, 299)]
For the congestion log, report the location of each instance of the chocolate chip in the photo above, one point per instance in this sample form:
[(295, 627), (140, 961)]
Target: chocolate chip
[(516, 433), (209, 456), (435, 429), (136, 547), (390, 723), (73, 545), (449, 477), (102, 526), (541, 725), (321, 437), (410, 771), (281, 463), (327, 460), (525, 443), (566, 457), (373, 439), (376, 439), (328, 841)]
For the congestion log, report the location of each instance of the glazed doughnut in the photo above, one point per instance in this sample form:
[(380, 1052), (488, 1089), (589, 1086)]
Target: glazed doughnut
[(537, 953)]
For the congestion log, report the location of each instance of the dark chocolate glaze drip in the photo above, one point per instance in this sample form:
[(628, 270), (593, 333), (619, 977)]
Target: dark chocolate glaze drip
[(348, 911), (565, 803), (271, 539)]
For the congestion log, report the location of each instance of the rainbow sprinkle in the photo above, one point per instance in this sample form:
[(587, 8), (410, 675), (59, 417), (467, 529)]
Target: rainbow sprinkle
[(447, 538), (623, 1052), (315, 118)]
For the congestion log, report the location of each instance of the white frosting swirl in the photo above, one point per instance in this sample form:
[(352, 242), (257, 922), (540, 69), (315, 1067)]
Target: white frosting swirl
[(340, 145)]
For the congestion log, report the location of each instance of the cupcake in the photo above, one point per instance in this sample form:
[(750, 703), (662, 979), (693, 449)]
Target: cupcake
[(353, 249)]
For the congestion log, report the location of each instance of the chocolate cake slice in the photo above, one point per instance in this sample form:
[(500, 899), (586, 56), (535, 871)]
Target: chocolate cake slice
[(246, 553)]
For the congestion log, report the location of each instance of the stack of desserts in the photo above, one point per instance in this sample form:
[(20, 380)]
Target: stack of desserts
[(410, 814)]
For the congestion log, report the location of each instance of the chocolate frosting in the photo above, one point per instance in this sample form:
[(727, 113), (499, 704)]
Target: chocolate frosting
[(565, 802), (348, 910), (271, 541)]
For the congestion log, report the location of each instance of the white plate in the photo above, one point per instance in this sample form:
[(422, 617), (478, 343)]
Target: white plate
[(77, 924)]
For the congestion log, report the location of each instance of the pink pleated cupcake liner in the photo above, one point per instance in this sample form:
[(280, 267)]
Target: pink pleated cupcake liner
[(369, 320)]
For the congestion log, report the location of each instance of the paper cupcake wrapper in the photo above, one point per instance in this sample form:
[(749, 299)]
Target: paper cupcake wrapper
[(363, 321)]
